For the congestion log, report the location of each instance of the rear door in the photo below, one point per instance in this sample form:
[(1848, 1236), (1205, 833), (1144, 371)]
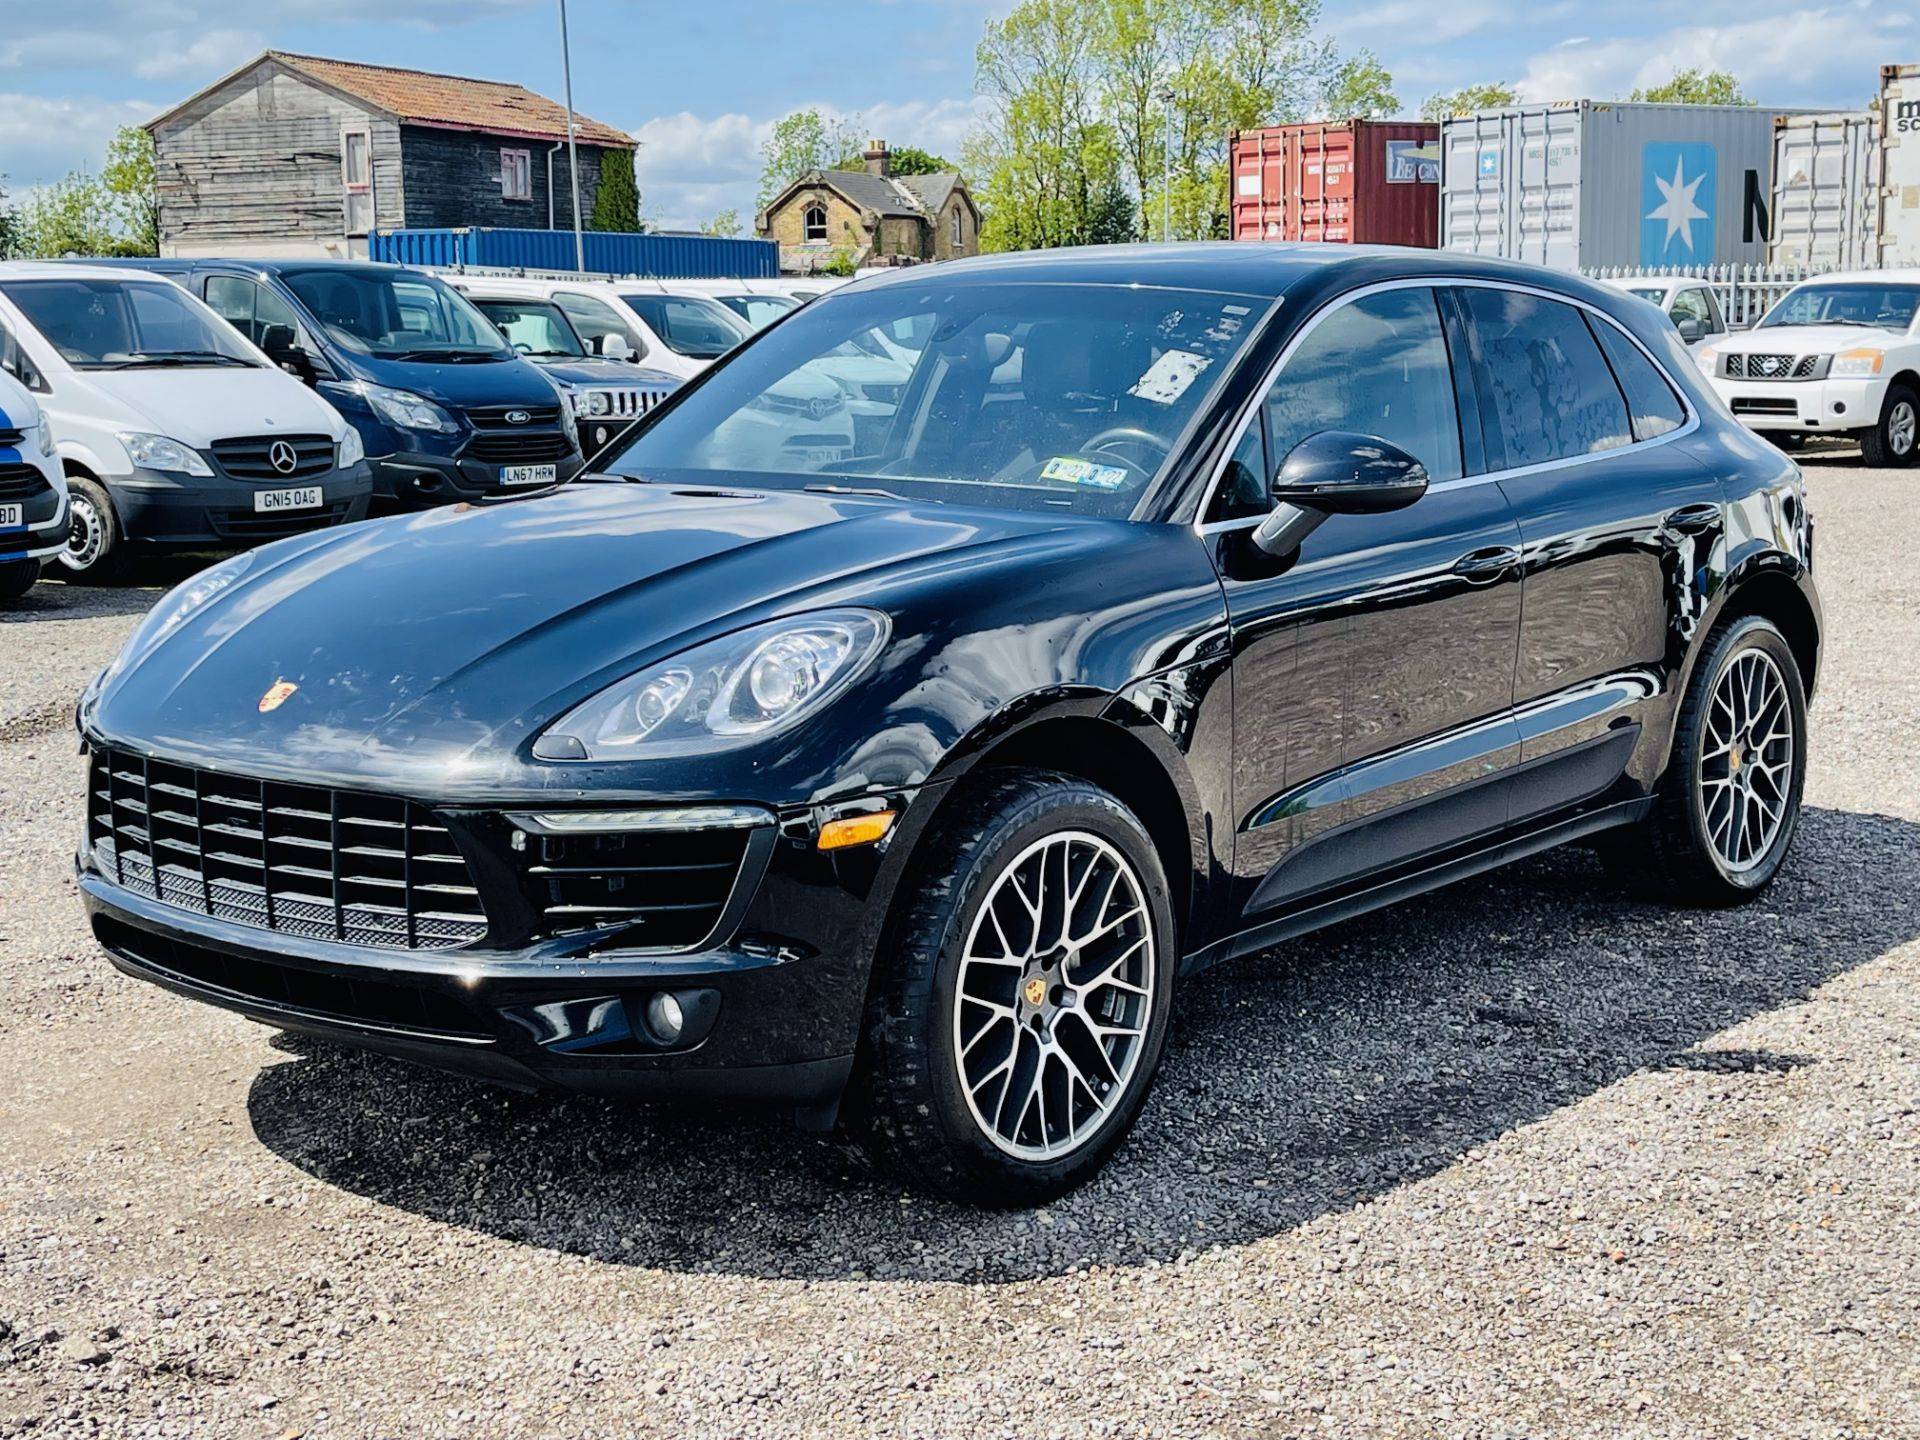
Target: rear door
[(1615, 522)]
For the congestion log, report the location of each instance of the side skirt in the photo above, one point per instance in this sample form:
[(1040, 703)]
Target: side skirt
[(1503, 849)]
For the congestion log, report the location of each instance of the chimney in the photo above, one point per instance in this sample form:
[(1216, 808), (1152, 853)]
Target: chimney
[(879, 159)]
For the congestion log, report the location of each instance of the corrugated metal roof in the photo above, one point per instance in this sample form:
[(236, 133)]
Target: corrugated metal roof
[(424, 98)]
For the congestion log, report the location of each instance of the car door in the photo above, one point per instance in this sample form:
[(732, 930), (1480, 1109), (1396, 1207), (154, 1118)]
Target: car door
[(1615, 522), (1373, 670), (1695, 315)]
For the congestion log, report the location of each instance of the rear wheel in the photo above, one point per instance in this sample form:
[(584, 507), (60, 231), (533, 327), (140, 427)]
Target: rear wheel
[(94, 551), (1892, 442), (1022, 1001), (1787, 440), (17, 577), (1727, 809)]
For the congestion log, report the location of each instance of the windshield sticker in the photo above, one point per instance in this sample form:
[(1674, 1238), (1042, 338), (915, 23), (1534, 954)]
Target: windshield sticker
[(1168, 377), (1069, 471)]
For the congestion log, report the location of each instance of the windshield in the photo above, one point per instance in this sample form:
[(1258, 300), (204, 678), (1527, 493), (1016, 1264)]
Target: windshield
[(759, 311), (395, 315), (1658, 297), (126, 324), (697, 328), (1030, 396), (534, 327), (1884, 307)]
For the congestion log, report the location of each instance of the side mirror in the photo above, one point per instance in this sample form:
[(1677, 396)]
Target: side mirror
[(615, 347), (1691, 329), (283, 348), (1336, 472)]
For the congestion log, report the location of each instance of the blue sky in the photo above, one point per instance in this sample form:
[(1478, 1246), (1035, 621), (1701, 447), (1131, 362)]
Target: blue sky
[(699, 82)]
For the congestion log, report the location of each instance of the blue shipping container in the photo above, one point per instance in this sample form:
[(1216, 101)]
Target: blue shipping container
[(667, 257)]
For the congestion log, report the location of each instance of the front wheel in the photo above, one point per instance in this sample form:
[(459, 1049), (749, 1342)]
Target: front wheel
[(17, 577), (1727, 809), (1892, 442), (1023, 996), (93, 550)]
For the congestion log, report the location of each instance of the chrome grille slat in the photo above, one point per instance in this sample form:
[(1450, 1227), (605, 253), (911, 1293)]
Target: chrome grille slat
[(297, 859)]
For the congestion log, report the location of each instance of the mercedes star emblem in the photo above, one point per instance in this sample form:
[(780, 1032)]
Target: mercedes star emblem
[(284, 457)]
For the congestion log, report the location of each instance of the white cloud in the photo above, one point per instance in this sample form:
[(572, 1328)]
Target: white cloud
[(42, 139), (690, 167), (1824, 56)]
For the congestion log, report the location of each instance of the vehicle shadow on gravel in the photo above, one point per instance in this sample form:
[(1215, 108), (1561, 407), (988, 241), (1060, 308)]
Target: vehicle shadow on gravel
[(1296, 1084)]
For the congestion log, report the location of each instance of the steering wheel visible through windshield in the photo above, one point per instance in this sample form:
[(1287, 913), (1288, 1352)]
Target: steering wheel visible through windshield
[(1032, 396)]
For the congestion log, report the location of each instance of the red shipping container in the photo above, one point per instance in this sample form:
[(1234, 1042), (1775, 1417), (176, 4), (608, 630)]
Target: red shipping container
[(1355, 182)]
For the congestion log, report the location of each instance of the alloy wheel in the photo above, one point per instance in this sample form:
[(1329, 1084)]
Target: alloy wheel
[(1054, 994), (1902, 425), (1746, 760), (87, 536)]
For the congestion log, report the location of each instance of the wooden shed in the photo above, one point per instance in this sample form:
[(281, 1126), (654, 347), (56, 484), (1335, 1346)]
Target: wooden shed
[(298, 155)]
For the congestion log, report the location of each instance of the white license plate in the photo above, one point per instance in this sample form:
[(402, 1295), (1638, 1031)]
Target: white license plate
[(529, 474), (305, 498), (13, 517)]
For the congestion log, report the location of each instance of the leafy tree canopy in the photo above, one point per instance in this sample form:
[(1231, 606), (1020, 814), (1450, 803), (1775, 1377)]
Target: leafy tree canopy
[(1473, 97), (1695, 87)]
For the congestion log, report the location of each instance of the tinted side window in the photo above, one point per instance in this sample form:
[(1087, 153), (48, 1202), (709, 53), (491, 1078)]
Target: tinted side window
[(1377, 366), (1656, 409), (1546, 391)]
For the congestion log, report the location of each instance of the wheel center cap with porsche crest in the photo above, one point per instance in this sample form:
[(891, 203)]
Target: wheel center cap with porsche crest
[(1036, 991)]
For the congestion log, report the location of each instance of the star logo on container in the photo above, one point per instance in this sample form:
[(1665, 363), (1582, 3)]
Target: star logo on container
[(1677, 204)]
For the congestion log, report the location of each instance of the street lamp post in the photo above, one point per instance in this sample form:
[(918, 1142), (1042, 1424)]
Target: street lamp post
[(573, 153), (1166, 166)]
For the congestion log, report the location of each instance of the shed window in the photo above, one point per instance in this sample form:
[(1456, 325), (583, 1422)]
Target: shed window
[(816, 222), (356, 180), (953, 220), (516, 175)]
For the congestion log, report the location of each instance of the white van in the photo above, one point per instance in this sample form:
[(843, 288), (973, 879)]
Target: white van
[(174, 432), (33, 493)]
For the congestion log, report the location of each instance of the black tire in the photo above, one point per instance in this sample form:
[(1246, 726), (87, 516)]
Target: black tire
[(94, 552), (17, 577), (1894, 441), (908, 1094), (1673, 854), (1787, 440)]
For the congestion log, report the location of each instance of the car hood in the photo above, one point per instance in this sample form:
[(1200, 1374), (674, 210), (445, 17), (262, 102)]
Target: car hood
[(199, 406), (610, 374), (1805, 339), (430, 650), (485, 382)]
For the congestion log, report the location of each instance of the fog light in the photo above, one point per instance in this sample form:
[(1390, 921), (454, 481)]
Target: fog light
[(665, 1018)]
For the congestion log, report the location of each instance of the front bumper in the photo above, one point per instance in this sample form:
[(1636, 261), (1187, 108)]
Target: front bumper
[(416, 479), (168, 510), (44, 537), (1810, 407)]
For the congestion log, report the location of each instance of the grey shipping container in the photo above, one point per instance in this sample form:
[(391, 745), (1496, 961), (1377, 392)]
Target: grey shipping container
[(1597, 183), (1826, 191), (1900, 165)]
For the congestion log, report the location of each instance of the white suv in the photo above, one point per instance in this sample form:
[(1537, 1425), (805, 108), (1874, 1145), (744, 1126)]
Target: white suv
[(1839, 355)]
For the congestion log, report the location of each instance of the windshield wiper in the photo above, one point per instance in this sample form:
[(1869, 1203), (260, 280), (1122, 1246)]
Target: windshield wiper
[(139, 359), (546, 354), (450, 357), (873, 490)]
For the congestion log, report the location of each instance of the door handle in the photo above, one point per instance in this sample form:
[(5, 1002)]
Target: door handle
[(1693, 519), (1487, 564)]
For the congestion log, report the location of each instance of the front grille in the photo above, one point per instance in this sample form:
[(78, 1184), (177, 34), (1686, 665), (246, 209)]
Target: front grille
[(22, 482), (1752, 405), (1759, 367), (628, 404), (494, 417), (500, 447), (1805, 369), (669, 886), (247, 525), (10, 436), (298, 859), (250, 457)]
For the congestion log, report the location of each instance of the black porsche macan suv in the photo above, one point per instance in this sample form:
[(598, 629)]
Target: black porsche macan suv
[(1190, 598)]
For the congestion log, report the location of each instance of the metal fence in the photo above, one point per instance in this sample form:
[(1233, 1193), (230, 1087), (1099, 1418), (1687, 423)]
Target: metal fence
[(1745, 292)]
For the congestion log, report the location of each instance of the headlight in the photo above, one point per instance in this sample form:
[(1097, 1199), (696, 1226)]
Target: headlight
[(1857, 362), (595, 402), (1708, 358), (176, 607), (406, 410), (352, 449), (46, 436), (725, 692), (159, 452)]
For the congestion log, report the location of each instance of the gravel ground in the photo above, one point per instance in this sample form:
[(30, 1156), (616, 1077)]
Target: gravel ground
[(1522, 1158)]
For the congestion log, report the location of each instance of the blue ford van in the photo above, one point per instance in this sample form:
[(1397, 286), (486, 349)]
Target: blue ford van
[(447, 410)]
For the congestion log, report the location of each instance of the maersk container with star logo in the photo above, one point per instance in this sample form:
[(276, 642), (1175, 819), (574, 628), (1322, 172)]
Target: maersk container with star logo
[(1584, 183)]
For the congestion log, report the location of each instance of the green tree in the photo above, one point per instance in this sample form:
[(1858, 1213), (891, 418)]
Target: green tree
[(912, 160), (72, 216), (128, 178), (1473, 97), (9, 225), (1694, 86), (1362, 89), (616, 204), (805, 140), (726, 225)]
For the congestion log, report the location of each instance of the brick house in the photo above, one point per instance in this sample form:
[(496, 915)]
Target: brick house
[(873, 213), (299, 155)]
